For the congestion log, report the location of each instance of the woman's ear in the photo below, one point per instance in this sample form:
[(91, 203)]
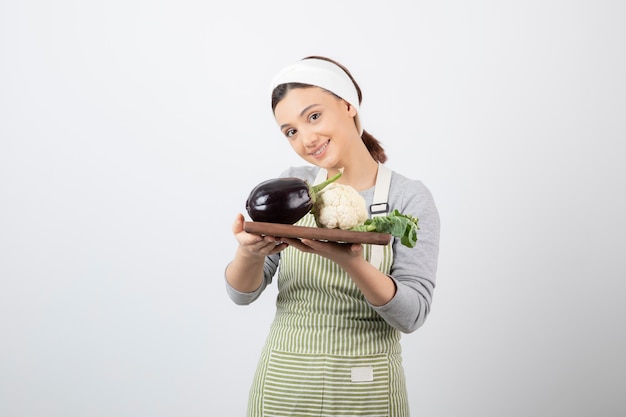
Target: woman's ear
[(351, 109)]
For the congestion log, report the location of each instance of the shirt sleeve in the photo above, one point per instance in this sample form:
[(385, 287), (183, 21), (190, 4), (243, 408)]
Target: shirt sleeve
[(245, 298), (414, 269)]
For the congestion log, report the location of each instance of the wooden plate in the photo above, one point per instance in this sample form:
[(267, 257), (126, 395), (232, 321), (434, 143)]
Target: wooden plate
[(316, 233)]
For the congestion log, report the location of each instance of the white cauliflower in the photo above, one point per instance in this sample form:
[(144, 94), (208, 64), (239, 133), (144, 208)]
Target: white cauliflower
[(339, 206)]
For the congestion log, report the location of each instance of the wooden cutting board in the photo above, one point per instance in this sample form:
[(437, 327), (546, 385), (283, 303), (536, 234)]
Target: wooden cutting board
[(316, 233)]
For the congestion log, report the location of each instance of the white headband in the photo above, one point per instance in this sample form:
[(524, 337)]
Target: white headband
[(324, 74)]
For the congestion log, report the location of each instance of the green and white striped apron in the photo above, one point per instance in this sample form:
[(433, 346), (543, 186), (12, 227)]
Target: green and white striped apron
[(328, 353)]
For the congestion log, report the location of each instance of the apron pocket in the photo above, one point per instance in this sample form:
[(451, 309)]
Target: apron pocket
[(329, 385)]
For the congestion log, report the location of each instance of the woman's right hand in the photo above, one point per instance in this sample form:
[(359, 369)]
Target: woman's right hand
[(255, 245)]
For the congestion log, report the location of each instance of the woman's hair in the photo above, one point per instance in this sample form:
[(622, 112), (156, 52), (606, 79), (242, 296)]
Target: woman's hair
[(371, 143)]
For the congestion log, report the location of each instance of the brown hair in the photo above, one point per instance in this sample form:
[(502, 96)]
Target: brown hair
[(371, 143)]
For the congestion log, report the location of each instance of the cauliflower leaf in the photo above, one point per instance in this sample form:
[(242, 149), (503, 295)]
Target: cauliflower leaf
[(400, 225)]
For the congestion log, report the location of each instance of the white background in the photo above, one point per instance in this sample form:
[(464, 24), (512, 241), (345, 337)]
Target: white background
[(132, 131)]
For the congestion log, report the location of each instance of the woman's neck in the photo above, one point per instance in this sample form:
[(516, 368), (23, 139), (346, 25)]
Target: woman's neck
[(359, 173)]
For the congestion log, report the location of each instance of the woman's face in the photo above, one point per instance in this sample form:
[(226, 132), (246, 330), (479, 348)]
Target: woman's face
[(319, 126)]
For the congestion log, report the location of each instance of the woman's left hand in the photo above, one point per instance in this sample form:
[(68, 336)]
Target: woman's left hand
[(378, 288), (337, 252)]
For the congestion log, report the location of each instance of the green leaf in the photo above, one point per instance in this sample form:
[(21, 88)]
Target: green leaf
[(399, 225)]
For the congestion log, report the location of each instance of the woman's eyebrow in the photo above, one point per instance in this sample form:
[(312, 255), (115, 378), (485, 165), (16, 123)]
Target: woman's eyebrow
[(307, 108), (301, 113)]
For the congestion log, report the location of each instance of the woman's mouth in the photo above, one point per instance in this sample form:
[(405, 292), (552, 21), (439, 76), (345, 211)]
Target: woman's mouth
[(321, 149)]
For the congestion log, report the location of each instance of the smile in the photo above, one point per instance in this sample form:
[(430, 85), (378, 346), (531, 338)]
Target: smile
[(321, 149)]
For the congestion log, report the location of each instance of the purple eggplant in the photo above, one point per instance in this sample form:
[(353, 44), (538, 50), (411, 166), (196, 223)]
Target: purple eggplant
[(283, 200)]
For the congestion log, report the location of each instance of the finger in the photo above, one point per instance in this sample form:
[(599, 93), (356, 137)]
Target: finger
[(268, 248), (238, 224), (310, 243), (356, 248), (296, 243), (320, 244), (279, 247)]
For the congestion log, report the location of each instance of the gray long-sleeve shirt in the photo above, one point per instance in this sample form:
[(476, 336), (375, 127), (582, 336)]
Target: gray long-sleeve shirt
[(413, 270)]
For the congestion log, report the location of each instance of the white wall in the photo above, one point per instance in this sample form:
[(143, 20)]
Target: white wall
[(132, 131)]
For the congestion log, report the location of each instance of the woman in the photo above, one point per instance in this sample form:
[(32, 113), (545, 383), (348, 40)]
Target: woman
[(334, 345)]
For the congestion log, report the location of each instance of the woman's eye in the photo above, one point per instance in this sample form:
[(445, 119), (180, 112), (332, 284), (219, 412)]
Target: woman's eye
[(290, 132), (314, 116)]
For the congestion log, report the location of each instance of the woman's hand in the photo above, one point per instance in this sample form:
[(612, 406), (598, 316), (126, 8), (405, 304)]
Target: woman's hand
[(378, 288), (340, 253), (255, 245), (245, 272)]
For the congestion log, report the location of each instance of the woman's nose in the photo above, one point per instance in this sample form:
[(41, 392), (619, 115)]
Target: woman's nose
[(309, 137)]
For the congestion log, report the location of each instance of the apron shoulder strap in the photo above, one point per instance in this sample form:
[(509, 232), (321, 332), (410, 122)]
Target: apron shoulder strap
[(321, 176), (380, 207)]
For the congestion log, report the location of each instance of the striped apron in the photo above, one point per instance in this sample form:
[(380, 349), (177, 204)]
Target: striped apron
[(328, 353)]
